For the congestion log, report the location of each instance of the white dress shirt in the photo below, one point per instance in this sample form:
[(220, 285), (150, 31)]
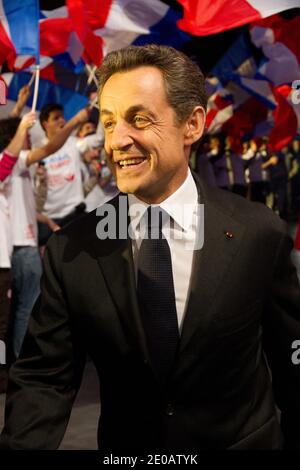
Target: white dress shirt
[(181, 233)]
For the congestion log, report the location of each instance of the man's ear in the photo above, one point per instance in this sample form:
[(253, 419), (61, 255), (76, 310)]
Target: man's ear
[(194, 126), (43, 125)]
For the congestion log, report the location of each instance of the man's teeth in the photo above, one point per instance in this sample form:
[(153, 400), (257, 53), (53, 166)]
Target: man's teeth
[(131, 161)]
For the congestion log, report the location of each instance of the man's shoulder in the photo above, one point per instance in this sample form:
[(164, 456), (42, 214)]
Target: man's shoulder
[(69, 148), (72, 141), (241, 209)]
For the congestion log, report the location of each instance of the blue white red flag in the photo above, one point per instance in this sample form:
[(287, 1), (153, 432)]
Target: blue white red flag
[(204, 17), (19, 29)]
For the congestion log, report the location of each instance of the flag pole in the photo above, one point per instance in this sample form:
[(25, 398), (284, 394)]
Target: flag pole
[(94, 103), (31, 79), (36, 88), (91, 74)]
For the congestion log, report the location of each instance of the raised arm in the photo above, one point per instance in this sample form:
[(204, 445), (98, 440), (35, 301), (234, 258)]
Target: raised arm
[(21, 101), (58, 141), (17, 142)]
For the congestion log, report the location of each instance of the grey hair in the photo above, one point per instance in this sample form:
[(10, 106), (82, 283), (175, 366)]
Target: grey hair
[(184, 81)]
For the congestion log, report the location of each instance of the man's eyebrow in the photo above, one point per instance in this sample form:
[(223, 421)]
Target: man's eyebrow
[(137, 109), (105, 111), (130, 111)]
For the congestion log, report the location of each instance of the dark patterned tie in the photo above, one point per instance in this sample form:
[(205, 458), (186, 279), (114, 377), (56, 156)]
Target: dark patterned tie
[(156, 295)]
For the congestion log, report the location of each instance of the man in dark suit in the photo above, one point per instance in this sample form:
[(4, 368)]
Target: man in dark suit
[(182, 338)]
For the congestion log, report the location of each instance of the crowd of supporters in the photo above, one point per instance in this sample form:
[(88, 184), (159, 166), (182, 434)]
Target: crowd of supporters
[(253, 171), (41, 190), (44, 188)]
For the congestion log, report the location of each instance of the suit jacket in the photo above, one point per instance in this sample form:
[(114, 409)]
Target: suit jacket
[(243, 310)]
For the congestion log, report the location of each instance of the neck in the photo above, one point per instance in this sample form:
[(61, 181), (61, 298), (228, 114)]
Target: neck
[(50, 135), (168, 191)]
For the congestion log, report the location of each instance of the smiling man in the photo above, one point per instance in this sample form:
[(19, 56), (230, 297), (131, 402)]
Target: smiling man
[(180, 337), (146, 142)]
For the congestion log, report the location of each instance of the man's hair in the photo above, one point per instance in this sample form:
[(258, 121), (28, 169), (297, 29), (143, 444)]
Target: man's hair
[(184, 81), (47, 109), (8, 128)]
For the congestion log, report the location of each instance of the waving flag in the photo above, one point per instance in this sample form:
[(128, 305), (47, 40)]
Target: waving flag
[(204, 17), (119, 23), (59, 42), (261, 89), (87, 16), (219, 106), (19, 30), (236, 55), (286, 122), (48, 93), (279, 39)]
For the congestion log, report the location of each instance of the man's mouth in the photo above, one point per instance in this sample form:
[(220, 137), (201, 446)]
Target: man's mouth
[(130, 162)]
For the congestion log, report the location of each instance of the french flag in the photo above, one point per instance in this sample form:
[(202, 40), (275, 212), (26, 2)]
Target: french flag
[(279, 40), (204, 17), (19, 30), (58, 41), (286, 116), (48, 93), (219, 110), (112, 24)]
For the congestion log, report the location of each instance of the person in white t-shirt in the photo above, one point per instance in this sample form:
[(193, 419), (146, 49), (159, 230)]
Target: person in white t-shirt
[(26, 263), (64, 201), (11, 147)]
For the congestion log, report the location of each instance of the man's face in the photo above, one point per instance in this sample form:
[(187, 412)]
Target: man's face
[(54, 123), (91, 154), (87, 129), (146, 147)]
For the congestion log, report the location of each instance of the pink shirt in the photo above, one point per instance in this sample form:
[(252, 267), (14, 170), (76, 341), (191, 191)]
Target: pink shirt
[(7, 162)]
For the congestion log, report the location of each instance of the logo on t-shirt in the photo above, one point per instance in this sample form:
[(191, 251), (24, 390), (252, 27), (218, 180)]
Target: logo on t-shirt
[(70, 177)]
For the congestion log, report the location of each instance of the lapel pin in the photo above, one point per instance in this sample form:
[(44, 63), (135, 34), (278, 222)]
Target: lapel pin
[(228, 234)]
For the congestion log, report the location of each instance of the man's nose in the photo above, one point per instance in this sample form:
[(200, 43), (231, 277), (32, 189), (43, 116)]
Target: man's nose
[(121, 138)]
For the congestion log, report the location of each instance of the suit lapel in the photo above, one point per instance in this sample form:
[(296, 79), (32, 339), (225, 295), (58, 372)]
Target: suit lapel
[(210, 266), (116, 263)]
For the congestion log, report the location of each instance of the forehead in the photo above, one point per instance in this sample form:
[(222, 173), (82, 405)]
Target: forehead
[(55, 114), (88, 125), (143, 85)]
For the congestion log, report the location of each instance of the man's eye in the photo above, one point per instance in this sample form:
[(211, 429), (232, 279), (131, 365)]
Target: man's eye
[(108, 124), (140, 121)]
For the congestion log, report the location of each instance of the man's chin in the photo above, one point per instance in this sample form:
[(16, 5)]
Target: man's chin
[(129, 186)]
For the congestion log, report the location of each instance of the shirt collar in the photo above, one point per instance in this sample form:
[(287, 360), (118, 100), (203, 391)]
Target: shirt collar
[(181, 205)]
